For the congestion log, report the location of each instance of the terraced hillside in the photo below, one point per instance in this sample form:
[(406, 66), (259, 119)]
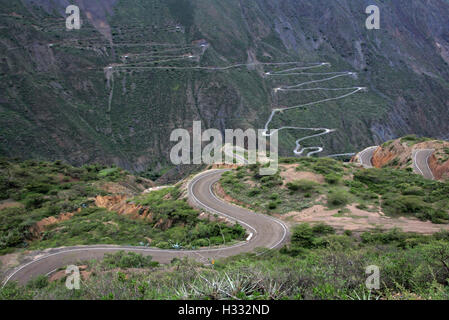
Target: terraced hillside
[(113, 91)]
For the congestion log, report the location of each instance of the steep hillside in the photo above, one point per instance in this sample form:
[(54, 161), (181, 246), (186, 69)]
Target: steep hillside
[(113, 91), (49, 205), (342, 195), (399, 154)]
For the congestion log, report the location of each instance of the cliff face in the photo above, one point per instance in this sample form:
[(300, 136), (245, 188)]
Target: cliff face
[(60, 99)]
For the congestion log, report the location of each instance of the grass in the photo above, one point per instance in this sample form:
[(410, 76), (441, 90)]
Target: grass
[(404, 193), (317, 264), (269, 195), (411, 140), (394, 191), (45, 189)]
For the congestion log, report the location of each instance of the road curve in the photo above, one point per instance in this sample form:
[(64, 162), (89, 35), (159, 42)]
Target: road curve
[(421, 163), (264, 232), (366, 156)]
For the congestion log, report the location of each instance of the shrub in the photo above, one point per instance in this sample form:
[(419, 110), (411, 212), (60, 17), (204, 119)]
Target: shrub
[(163, 245), (308, 237), (302, 185), (271, 181), (274, 196), (323, 229), (327, 166), (413, 191), (39, 283), (253, 192), (332, 178), (201, 243), (129, 260), (400, 205), (303, 236), (338, 198), (272, 205), (33, 200)]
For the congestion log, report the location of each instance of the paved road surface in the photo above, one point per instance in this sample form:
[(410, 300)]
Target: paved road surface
[(264, 232), (421, 163), (366, 156)]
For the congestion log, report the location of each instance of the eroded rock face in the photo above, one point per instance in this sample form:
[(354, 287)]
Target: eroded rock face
[(399, 154), (440, 170), (120, 205), (115, 203), (382, 157), (37, 230)]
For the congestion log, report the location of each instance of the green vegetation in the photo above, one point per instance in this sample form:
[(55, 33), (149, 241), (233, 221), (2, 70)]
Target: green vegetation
[(186, 229), (44, 189), (269, 194), (395, 192), (413, 139), (302, 186), (39, 190), (404, 193), (318, 264), (338, 198), (125, 260)]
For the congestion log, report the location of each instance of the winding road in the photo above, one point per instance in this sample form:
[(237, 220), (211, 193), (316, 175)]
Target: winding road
[(263, 232), (299, 87), (366, 156), (421, 162), (420, 159)]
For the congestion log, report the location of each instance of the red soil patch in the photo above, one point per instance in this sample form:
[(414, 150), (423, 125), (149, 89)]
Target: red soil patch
[(440, 171), (40, 226)]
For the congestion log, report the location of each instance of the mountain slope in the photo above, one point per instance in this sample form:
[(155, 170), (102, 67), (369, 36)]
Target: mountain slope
[(113, 91)]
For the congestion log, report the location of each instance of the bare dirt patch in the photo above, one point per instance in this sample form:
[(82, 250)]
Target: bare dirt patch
[(289, 174), (40, 226), (251, 183), (9, 260), (9, 203), (360, 220), (59, 275)]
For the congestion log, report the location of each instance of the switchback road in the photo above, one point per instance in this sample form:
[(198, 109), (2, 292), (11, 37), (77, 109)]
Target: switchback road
[(365, 157), (421, 163), (263, 232)]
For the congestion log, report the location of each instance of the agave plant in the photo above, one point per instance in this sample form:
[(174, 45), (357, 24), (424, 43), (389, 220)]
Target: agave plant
[(365, 295)]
